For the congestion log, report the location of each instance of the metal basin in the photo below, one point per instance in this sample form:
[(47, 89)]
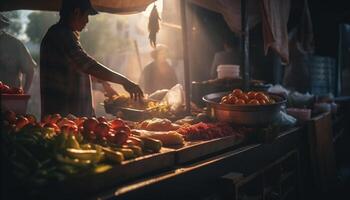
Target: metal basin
[(249, 115)]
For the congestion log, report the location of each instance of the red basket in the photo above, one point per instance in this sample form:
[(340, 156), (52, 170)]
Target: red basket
[(15, 102)]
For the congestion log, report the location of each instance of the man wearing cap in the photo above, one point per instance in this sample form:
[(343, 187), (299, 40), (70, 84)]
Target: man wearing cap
[(15, 59), (66, 67)]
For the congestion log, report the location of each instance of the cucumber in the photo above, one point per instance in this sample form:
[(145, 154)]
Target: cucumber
[(127, 152), (81, 154), (151, 144), (136, 149), (136, 141), (114, 156)]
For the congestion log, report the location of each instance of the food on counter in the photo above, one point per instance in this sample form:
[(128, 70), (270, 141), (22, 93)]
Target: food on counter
[(125, 101), (154, 108), (118, 100), (80, 138), (5, 89), (150, 143), (206, 131), (58, 148), (158, 124), (238, 97), (114, 156), (168, 138)]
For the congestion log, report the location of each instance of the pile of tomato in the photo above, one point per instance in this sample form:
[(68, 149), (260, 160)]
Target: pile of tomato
[(238, 97), (93, 129)]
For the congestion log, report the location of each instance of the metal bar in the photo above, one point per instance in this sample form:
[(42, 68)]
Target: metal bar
[(245, 45), (183, 6)]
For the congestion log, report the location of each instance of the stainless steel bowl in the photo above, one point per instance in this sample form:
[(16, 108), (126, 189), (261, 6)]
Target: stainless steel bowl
[(250, 115)]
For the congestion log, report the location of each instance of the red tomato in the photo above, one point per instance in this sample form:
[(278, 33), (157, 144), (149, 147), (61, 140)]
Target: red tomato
[(21, 122), (5, 89), (120, 136), (260, 95), (251, 95), (80, 120), (101, 130), (232, 100), (102, 119), (31, 118), (240, 102), (237, 92), (244, 97), (116, 123), (262, 102), (90, 124), (52, 125), (254, 102)]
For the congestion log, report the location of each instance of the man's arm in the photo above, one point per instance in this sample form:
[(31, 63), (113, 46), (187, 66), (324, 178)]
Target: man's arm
[(27, 67), (83, 62)]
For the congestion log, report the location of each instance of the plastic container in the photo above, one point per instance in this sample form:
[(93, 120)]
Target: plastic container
[(228, 71), (15, 102)]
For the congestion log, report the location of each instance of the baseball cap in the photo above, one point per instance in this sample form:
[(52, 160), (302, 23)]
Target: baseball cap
[(82, 4)]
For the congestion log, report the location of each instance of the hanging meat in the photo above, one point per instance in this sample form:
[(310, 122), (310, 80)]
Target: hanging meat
[(153, 26)]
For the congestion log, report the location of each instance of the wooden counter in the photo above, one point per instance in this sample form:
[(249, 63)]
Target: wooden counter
[(201, 179)]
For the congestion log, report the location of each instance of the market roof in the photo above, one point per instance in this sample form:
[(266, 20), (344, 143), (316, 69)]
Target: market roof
[(110, 6)]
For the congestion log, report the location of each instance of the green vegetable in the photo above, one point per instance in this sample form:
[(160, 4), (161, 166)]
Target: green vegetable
[(92, 155), (127, 152), (114, 156), (60, 141), (72, 142), (73, 161), (136, 149), (152, 144)]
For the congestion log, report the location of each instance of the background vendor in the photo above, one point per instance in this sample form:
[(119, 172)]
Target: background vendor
[(159, 74), (15, 60)]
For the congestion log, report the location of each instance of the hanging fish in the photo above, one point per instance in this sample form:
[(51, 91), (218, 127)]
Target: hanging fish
[(153, 26)]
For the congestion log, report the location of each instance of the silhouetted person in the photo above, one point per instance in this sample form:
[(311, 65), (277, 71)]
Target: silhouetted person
[(158, 74), (15, 59)]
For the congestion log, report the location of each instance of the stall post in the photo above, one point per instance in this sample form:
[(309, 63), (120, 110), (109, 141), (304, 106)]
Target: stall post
[(245, 45), (183, 7)]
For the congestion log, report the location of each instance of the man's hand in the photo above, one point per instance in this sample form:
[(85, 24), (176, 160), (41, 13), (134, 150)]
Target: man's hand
[(134, 90), (109, 91)]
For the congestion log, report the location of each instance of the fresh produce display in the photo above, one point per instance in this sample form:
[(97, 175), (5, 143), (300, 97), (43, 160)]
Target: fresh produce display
[(5, 89), (238, 97), (55, 147), (206, 131)]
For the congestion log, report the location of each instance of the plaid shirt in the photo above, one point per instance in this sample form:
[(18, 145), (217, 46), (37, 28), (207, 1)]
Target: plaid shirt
[(64, 65)]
